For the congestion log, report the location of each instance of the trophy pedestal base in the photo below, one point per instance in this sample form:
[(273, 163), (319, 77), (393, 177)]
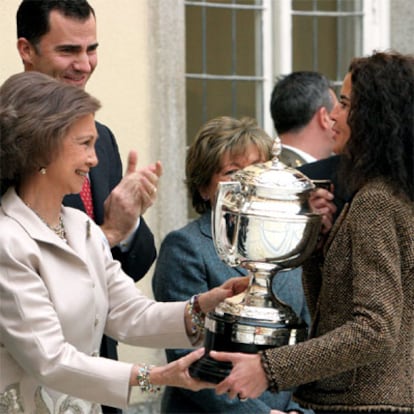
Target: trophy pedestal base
[(210, 370), (229, 333)]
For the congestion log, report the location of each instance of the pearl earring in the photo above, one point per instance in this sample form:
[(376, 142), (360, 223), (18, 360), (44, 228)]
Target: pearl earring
[(42, 171)]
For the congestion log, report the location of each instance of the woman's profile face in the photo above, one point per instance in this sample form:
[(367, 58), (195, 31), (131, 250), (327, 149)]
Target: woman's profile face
[(75, 158), (229, 164), (339, 115)]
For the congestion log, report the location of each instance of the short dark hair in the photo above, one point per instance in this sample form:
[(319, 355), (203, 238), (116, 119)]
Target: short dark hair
[(36, 112), (297, 97), (32, 16)]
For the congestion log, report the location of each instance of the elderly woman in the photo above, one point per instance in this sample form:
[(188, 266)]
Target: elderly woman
[(189, 264), (60, 288)]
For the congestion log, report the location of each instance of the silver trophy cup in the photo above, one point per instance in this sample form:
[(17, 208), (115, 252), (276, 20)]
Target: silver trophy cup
[(261, 221)]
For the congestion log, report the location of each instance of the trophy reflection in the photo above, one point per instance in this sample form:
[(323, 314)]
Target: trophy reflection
[(261, 221)]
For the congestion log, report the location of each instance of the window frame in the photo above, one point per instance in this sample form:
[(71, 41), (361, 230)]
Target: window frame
[(276, 38)]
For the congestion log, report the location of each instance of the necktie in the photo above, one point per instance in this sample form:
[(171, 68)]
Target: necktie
[(86, 196)]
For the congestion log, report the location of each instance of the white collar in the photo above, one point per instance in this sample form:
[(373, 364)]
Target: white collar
[(306, 156)]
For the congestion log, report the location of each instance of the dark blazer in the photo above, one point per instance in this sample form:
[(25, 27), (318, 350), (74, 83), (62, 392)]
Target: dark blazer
[(104, 177), (188, 264)]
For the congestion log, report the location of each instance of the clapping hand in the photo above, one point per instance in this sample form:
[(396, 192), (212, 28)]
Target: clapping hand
[(130, 199)]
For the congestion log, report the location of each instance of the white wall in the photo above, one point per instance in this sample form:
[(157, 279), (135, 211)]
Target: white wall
[(119, 80), (10, 62)]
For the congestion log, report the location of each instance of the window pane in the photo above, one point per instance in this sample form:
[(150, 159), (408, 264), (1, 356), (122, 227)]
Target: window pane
[(219, 41), (326, 35), (223, 44), (207, 100), (246, 42), (194, 107), (246, 96), (194, 39)]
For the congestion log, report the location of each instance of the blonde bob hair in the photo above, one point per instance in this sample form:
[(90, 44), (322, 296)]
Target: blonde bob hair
[(216, 137)]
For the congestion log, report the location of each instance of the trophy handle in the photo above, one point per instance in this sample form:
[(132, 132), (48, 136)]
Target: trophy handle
[(225, 227)]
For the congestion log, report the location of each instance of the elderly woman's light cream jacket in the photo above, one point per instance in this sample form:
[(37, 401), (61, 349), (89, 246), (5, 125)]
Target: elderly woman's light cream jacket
[(56, 301)]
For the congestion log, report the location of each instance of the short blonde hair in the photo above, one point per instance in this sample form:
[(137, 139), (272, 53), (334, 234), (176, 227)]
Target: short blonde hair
[(216, 137)]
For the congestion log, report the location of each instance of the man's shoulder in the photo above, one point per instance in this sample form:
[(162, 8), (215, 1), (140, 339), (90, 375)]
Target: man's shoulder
[(106, 141), (103, 130), (321, 169)]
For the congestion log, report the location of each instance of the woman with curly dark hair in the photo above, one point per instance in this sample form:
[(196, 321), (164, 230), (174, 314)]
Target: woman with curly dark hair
[(360, 289), (381, 119)]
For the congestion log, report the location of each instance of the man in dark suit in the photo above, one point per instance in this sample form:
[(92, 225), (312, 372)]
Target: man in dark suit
[(58, 38), (300, 106)]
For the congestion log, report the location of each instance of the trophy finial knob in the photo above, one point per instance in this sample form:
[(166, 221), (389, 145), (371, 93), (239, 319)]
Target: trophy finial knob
[(276, 149)]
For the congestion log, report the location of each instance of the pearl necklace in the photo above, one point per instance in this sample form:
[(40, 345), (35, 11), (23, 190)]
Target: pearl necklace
[(59, 229)]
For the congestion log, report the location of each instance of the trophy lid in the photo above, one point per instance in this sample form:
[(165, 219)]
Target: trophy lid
[(274, 180)]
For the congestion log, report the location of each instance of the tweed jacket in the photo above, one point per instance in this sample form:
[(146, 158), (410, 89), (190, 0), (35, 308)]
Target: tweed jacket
[(57, 299), (361, 353), (188, 264)]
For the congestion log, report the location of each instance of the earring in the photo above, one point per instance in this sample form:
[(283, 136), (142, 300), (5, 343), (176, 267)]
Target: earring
[(42, 171)]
